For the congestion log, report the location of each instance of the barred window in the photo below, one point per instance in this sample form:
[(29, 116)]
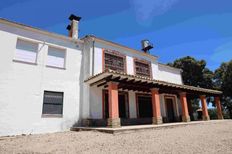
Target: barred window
[(53, 103), (142, 69), (114, 62)]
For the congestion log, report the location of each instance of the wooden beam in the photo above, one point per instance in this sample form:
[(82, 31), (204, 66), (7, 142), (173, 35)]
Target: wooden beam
[(102, 84), (123, 80), (101, 80)]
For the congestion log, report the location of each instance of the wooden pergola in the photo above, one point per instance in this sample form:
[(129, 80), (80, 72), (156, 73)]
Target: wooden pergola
[(114, 81)]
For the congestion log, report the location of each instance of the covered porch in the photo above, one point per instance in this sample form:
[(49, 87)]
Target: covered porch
[(115, 86)]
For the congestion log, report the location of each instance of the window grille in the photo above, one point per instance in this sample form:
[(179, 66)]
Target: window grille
[(142, 69), (114, 62), (53, 103)]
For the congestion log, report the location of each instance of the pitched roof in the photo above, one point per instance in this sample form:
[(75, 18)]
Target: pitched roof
[(30, 28)]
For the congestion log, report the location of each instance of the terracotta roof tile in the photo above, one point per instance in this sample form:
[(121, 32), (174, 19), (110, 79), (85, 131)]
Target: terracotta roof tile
[(158, 82)]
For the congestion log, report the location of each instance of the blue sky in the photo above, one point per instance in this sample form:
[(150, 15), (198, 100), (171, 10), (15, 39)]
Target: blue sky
[(177, 28)]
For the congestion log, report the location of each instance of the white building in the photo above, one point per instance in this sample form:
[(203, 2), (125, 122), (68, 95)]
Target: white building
[(50, 82)]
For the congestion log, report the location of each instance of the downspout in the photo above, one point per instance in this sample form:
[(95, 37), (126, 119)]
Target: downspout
[(93, 52)]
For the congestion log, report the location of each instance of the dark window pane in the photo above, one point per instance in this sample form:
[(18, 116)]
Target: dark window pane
[(145, 106), (52, 109), (53, 103)]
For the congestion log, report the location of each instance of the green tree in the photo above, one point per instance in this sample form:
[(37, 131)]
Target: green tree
[(223, 82)]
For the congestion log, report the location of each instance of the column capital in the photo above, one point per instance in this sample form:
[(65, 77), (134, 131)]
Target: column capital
[(202, 96), (154, 89), (217, 98), (112, 82), (182, 93)]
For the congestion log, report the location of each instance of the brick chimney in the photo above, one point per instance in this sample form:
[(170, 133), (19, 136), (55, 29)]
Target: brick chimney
[(73, 27)]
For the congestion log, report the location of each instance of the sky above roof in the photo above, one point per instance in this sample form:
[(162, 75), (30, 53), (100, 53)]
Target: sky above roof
[(177, 28)]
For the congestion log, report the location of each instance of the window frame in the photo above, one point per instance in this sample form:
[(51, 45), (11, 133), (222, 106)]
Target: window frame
[(65, 56), (143, 62), (114, 53), (50, 115), (28, 41)]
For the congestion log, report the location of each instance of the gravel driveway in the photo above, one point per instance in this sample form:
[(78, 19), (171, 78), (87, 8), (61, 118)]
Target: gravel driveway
[(213, 137)]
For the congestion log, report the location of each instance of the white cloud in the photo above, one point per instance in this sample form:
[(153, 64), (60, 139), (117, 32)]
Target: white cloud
[(146, 10)]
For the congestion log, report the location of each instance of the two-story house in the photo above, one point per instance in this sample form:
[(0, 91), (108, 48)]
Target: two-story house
[(50, 82)]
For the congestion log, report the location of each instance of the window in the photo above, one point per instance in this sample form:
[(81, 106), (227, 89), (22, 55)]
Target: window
[(56, 57), (53, 103), (142, 68), (114, 62), (26, 51)]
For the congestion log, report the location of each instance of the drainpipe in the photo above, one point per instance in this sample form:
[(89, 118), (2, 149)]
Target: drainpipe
[(93, 52)]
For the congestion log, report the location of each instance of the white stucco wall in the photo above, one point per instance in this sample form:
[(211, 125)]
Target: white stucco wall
[(96, 103), (132, 104), (98, 60), (22, 85), (129, 57), (159, 72), (168, 74), (130, 65)]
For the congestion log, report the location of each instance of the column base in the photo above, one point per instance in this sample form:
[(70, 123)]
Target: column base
[(157, 120), (85, 122), (185, 118), (220, 116), (205, 118), (113, 123)]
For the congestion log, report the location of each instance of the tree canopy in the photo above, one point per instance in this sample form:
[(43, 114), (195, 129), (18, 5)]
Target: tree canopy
[(194, 72), (223, 82)]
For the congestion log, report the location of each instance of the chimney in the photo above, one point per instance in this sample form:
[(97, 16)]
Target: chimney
[(146, 46), (73, 27)]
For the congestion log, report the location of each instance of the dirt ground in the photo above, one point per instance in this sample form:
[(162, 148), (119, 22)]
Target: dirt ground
[(214, 137)]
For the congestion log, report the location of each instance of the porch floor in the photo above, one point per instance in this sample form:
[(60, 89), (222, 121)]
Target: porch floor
[(128, 129)]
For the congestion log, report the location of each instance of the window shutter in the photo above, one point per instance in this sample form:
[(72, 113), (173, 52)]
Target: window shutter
[(114, 62), (56, 57), (26, 51), (142, 69)]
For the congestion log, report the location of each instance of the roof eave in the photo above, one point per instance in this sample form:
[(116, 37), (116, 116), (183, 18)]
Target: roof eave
[(186, 87), (37, 30)]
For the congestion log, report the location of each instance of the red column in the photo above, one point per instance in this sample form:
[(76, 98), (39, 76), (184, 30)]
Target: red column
[(156, 119), (114, 120), (184, 105), (205, 115), (219, 108)]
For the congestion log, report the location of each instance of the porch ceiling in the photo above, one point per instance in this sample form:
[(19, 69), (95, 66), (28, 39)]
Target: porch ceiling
[(144, 84)]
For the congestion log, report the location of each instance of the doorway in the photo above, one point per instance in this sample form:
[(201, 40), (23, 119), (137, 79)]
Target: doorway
[(144, 106), (170, 113), (122, 105)]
